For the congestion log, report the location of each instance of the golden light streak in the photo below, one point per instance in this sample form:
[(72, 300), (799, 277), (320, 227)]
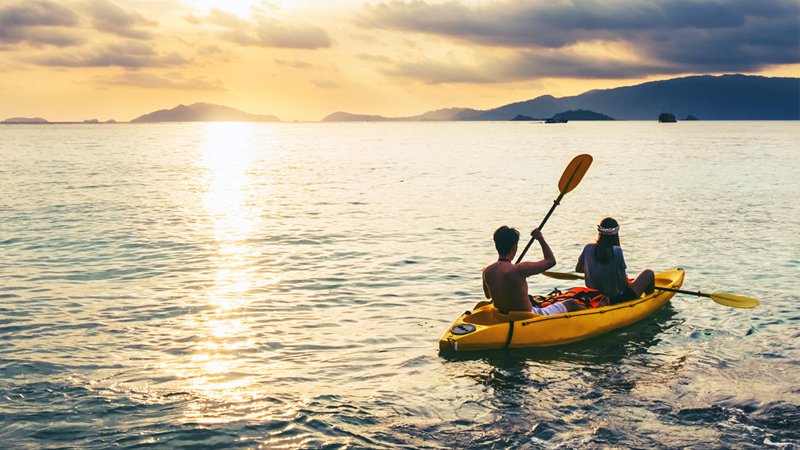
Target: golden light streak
[(213, 372)]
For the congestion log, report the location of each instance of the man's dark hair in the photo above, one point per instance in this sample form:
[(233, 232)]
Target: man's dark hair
[(504, 239)]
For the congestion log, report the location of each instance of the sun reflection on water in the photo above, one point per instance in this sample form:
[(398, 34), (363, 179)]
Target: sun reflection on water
[(229, 151), (213, 370)]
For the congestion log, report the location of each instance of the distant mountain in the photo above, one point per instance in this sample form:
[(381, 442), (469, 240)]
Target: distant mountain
[(347, 117), (448, 114), (25, 120), (726, 97), (203, 112)]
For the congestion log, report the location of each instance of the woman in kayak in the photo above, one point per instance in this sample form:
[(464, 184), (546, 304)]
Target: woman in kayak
[(604, 266)]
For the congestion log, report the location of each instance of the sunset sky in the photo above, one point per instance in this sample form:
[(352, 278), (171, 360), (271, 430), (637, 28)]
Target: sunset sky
[(304, 59)]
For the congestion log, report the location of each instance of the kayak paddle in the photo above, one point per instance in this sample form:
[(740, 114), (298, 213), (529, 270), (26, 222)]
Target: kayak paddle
[(563, 275), (572, 175), (737, 301)]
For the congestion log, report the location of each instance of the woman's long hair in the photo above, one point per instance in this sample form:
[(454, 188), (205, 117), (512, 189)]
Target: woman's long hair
[(604, 248)]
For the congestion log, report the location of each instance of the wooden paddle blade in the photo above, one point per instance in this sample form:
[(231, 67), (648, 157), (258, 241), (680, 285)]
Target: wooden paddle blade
[(562, 276), (737, 301), (574, 173)]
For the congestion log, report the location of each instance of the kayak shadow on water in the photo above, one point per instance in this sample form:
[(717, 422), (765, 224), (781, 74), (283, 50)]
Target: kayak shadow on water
[(609, 348)]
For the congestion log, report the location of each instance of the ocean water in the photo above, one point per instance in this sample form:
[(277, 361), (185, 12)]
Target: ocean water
[(231, 286)]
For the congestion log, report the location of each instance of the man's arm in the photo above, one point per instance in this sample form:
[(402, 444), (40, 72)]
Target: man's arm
[(485, 287), (532, 268)]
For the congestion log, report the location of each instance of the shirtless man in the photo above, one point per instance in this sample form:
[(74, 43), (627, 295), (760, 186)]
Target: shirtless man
[(506, 283)]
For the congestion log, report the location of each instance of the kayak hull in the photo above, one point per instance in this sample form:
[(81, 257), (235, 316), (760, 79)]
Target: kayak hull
[(485, 328)]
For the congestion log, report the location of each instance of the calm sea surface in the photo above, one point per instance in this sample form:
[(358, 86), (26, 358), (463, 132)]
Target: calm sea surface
[(225, 286)]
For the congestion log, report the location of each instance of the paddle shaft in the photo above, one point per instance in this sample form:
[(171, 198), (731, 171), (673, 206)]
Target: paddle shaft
[(680, 291), (572, 276), (552, 208), (565, 276), (556, 202), (736, 301)]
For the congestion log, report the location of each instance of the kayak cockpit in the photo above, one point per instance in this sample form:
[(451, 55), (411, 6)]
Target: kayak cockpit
[(486, 314)]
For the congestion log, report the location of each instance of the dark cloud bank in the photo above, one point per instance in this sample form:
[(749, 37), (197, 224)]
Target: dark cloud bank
[(38, 23), (63, 34), (675, 36), (45, 22)]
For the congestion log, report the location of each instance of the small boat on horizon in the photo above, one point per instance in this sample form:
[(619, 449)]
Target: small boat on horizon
[(554, 120)]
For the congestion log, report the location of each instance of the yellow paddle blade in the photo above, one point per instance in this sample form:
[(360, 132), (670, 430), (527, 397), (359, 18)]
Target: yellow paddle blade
[(563, 276), (737, 301), (574, 173)]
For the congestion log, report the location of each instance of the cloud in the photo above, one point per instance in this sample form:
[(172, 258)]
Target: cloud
[(111, 18), (295, 63), (36, 13), (62, 24), (38, 22), (267, 31), (129, 54), (325, 84), (235, 29), (489, 68), (435, 72), (173, 80), (528, 65), (373, 58), (281, 34), (672, 36)]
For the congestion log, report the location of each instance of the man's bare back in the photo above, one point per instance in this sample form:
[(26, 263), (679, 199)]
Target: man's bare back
[(506, 283)]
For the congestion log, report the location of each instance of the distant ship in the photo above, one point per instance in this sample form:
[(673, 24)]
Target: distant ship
[(666, 118), (554, 120)]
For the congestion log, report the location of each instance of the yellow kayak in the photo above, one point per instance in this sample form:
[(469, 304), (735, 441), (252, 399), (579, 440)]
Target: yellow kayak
[(486, 328)]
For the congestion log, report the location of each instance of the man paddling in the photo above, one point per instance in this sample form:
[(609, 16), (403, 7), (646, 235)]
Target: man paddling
[(506, 283)]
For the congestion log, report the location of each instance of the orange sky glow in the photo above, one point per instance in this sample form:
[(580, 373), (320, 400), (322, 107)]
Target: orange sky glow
[(66, 60)]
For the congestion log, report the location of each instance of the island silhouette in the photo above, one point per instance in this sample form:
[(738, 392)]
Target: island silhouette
[(725, 97), (203, 112)]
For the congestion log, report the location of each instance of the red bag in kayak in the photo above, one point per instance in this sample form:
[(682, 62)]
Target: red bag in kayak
[(589, 298)]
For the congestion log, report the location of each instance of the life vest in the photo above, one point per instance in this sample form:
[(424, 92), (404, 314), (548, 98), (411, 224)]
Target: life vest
[(589, 298)]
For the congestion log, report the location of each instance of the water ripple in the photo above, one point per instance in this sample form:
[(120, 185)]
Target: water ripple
[(284, 286)]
